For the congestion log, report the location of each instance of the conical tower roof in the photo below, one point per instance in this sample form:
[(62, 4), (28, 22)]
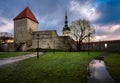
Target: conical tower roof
[(26, 13)]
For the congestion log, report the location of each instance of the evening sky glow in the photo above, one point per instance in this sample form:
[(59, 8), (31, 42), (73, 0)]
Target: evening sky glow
[(104, 15)]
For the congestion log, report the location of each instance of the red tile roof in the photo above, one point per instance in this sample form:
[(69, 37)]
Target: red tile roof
[(26, 13)]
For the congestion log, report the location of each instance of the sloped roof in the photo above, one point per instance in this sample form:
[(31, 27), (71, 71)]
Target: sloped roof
[(26, 13)]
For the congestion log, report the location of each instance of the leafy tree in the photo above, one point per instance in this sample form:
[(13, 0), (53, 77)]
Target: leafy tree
[(81, 30)]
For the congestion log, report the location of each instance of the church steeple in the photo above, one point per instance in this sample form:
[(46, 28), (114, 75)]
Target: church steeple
[(66, 20), (66, 29)]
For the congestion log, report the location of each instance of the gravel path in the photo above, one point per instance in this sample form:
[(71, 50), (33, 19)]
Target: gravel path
[(16, 59)]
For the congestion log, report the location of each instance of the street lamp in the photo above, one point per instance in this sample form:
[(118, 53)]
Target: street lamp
[(54, 45), (38, 49), (7, 46), (99, 45), (88, 43), (92, 31)]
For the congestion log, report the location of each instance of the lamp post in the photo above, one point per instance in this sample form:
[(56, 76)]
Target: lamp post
[(8, 47), (38, 46), (88, 43), (99, 45), (54, 46)]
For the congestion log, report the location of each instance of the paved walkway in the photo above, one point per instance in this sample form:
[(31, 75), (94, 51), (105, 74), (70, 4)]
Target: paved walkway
[(16, 59), (97, 72)]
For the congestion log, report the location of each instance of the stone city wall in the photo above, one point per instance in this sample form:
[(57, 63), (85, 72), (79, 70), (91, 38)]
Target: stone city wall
[(50, 40), (102, 46), (7, 47)]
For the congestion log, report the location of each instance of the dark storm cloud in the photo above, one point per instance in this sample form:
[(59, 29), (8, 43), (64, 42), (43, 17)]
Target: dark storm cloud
[(50, 13), (9, 8), (110, 12)]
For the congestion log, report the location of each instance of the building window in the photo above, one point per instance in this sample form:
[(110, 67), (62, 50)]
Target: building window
[(105, 45)]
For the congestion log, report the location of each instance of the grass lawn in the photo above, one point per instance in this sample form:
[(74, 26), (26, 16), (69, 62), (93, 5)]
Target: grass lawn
[(12, 54), (58, 67), (113, 65)]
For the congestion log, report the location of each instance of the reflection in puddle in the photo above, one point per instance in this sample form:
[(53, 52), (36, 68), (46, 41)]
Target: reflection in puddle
[(97, 72)]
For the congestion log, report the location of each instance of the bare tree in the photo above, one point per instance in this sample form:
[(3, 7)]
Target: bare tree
[(81, 30)]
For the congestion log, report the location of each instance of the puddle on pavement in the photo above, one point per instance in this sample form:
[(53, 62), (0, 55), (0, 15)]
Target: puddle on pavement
[(97, 72)]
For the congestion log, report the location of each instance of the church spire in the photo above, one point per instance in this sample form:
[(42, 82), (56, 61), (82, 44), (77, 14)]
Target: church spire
[(66, 22), (66, 19), (66, 29)]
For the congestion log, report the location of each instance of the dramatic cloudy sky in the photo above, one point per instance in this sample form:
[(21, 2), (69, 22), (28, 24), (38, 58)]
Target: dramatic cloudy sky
[(104, 15)]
